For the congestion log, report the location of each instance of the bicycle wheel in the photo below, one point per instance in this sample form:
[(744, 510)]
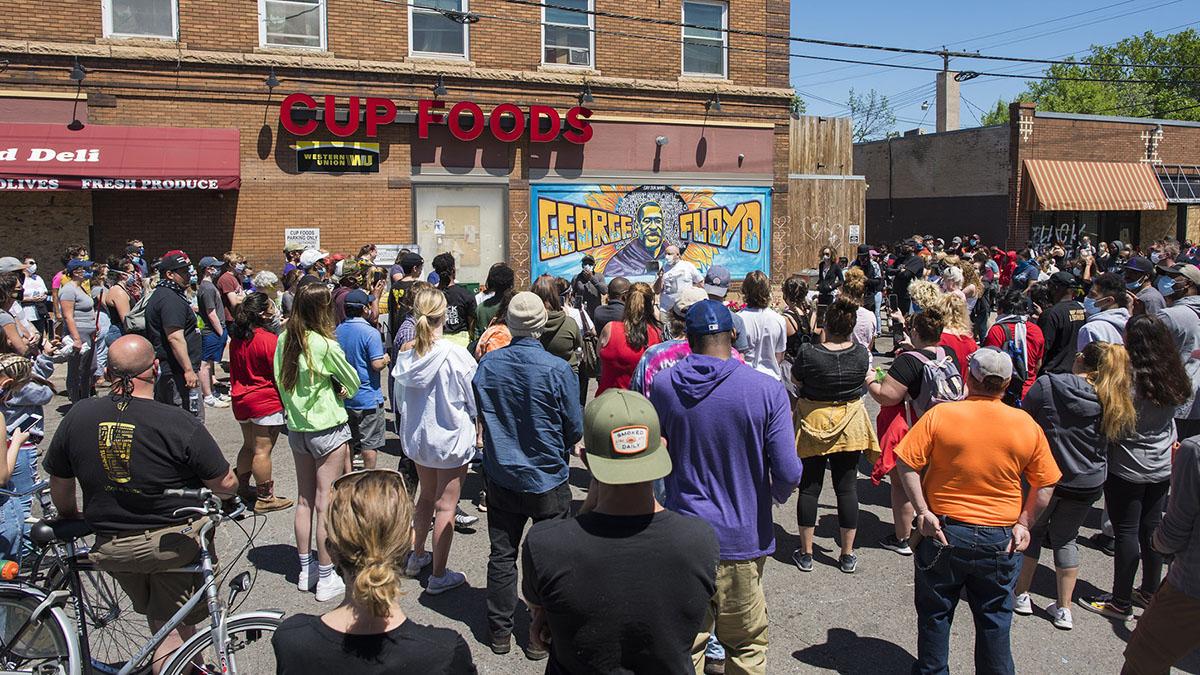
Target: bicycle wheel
[(249, 646), (45, 647)]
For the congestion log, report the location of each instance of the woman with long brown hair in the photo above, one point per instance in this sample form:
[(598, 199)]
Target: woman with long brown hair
[(1139, 466), (369, 527), (309, 364), (437, 410), (1081, 412), (622, 343)]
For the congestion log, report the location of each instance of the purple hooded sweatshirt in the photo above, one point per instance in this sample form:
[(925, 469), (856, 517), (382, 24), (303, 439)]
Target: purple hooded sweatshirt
[(729, 431)]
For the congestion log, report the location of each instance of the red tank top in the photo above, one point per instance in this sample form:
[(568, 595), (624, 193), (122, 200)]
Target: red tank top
[(618, 360)]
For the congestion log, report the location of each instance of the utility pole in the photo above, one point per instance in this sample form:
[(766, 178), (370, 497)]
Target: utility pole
[(947, 95)]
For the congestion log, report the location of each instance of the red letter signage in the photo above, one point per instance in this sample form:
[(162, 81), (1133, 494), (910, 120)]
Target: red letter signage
[(581, 129), (426, 116), (455, 121), (536, 114), (374, 119), (285, 114)]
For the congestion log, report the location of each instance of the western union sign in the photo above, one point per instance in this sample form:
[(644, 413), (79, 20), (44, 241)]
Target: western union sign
[(337, 157)]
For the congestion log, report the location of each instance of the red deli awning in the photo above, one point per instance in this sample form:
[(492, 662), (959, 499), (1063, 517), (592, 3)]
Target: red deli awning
[(38, 157)]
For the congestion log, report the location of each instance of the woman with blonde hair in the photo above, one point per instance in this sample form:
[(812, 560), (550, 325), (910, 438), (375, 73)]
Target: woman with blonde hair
[(855, 290), (1080, 412), (958, 335), (432, 379), (622, 343), (369, 525), (314, 377)]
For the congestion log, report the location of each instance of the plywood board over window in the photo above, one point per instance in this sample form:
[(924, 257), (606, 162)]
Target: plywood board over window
[(461, 233)]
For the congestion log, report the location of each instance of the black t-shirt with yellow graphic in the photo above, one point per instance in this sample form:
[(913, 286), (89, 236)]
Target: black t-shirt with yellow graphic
[(125, 454)]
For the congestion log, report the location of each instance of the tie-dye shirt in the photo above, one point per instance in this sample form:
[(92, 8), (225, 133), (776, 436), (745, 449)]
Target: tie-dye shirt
[(659, 358)]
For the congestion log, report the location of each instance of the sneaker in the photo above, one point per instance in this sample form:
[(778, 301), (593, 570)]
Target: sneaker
[(1105, 606), (214, 402), (416, 563), (501, 645), (449, 580), (225, 397), (330, 588), (1105, 543), (308, 577), (802, 560), (848, 563), (357, 463), (481, 502), (464, 519), (714, 666), (1141, 599), (534, 654), (900, 546), (272, 503), (1022, 605), (1061, 616)]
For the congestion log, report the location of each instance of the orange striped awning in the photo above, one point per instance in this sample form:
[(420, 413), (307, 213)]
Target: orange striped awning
[(1093, 186)]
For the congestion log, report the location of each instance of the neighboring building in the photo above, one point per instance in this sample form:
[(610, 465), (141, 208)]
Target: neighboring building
[(180, 100), (1044, 176)]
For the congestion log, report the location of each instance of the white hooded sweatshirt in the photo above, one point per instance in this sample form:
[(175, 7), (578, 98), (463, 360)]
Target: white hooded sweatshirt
[(437, 405)]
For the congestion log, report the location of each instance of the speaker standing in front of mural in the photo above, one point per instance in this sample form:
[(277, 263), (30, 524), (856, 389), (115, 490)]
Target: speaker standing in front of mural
[(630, 231)]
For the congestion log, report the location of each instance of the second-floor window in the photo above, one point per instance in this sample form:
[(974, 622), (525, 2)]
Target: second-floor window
[(141, 18), (567, 34), (432, 33), (292, 23), (704, 38)]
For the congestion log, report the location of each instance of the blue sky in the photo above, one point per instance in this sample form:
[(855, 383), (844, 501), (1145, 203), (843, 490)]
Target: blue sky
[(1001, 28)]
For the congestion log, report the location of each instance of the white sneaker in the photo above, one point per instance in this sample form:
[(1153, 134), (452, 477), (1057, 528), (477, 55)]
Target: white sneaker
[(225, 397), (330, 587), (1022, 605), (1061, 616), (450, 579), (416, 563), (214, 402), (308, 577)]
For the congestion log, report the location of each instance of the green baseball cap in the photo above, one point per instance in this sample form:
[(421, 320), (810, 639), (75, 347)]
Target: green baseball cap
[(623, 439)]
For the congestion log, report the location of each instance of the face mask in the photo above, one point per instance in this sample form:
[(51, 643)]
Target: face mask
[(193, 279), (239, 268), (141, 251), (1133, 285), (33, 268), (87, 274), (672, 259), (1090, 308), (824, 256), (588, 268), (1165, 285)]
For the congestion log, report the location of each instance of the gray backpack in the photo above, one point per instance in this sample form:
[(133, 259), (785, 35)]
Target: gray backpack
[(135, 320), (941, 381)]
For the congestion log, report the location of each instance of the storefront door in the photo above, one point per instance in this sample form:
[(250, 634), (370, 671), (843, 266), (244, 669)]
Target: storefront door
[(468, 221)]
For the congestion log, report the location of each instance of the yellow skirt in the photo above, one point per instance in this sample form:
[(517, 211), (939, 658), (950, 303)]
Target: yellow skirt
[(823, 428)]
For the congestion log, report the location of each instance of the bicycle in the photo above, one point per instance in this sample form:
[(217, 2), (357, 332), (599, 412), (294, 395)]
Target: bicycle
[(61, 651)]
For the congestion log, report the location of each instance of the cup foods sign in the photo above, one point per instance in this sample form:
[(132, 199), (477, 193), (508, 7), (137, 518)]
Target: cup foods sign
[(466, 120)]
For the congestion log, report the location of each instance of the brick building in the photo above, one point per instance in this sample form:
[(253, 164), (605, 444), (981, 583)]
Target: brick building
[(691, 118), (1044, 176)]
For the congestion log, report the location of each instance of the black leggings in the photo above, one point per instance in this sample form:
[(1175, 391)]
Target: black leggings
[(844, 467), (1135, 510)]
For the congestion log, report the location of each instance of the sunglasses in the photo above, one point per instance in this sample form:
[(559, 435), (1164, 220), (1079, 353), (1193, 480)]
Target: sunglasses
[(353, 477)]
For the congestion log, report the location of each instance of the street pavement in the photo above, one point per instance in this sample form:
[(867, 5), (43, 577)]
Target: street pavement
[(821, 621)]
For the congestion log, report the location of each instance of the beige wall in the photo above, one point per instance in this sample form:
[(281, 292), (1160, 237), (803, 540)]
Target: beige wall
[(43, 224), (970, 162)]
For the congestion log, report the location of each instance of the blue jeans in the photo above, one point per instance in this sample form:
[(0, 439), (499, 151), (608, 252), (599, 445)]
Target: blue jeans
[(13, 528), (978, 560)]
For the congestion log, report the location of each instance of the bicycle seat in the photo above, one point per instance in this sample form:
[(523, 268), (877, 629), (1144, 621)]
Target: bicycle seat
[(46, 532)]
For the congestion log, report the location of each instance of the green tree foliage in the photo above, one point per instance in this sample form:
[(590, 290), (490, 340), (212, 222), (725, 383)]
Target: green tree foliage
[(997, 115), (871, 114), (1171, 92)]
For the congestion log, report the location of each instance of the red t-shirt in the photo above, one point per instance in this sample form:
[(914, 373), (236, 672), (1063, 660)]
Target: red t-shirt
[(252, 376), (228, 283), (618, 360), (963, 347), (1035, 349)]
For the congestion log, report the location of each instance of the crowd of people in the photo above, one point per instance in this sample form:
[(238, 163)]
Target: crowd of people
[(710, 407)]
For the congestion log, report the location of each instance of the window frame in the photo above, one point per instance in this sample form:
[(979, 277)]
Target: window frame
[(466, 52), (591, 31), (683, 39), (106, 20), (262, 28)]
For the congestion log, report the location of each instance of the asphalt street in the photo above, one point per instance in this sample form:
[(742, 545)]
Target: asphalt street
[(821, 621)]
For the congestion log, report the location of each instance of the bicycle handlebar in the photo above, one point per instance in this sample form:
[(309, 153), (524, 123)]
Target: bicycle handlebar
[(200, 495)]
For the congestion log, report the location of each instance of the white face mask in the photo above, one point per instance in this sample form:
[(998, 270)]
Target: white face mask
[(33, 268)]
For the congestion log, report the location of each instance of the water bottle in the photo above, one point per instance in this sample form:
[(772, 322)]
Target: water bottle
[(193, 402)]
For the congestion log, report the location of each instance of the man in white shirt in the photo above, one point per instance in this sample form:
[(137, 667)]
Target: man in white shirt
[(678, 275)]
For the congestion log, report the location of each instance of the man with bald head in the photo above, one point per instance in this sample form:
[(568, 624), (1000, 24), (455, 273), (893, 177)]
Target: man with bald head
[(677, 275), (124, 450)]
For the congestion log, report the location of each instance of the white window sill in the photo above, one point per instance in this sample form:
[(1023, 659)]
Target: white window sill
[(141, 41), (566, 68), (688, 77), (434, 59), (293, 50)]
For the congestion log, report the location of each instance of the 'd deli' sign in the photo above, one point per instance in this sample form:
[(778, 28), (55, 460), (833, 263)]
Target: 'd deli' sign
[(466, 120)]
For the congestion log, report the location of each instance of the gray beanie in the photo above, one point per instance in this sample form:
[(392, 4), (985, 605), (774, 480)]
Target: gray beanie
[(526, 315)]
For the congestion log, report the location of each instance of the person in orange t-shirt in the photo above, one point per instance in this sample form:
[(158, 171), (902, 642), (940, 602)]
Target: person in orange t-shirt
[(971, 513)]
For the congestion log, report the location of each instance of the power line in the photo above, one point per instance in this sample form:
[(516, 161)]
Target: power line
[(943, 53)]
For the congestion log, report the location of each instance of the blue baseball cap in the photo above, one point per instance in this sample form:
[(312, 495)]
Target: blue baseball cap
[(76, 263), (358, 297), (709, 317), (717, 281)]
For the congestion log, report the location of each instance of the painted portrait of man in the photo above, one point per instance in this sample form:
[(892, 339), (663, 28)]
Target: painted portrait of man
[(649, 245)]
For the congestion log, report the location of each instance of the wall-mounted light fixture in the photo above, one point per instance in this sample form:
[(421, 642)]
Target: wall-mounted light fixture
[(585, 96), (439, 89), (713, 104), (662, 140), (272, 81), (78, 72)]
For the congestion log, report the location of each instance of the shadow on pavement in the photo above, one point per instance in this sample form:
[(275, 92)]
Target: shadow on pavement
[(276, 559), (847, 652)]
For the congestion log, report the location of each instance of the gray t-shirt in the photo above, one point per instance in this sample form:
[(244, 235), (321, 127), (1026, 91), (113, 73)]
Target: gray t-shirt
[(85, 309), (209, 300), (1152, 300)]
